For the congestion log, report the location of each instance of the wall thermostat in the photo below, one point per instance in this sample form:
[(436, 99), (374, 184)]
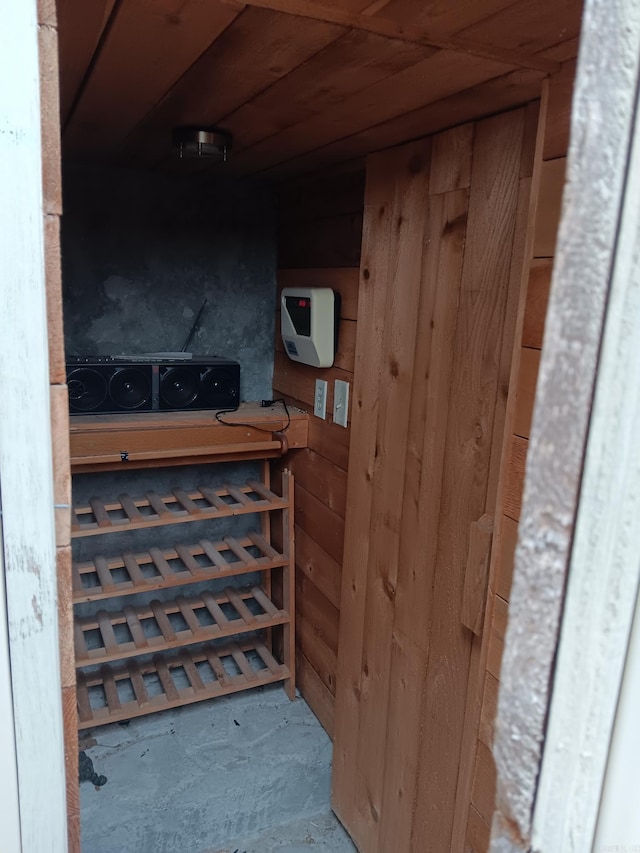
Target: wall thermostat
[(310, 317)]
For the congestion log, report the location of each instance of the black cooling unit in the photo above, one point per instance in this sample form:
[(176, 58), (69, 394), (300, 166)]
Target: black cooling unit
[(107, 384)]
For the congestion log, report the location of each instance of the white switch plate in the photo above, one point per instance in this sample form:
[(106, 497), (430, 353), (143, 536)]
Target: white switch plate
[(320, 405), (340, 402)]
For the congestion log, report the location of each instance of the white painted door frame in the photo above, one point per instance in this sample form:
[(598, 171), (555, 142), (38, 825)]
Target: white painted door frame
[(569, 640), (31, 728)]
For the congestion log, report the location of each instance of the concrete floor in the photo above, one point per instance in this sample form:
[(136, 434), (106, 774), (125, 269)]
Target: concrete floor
[(249, 772)]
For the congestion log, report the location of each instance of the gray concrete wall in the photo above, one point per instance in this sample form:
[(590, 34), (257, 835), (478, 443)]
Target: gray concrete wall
[(140, 253)]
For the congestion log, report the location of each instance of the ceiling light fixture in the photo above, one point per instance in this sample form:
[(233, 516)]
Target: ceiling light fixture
[(201, 142)]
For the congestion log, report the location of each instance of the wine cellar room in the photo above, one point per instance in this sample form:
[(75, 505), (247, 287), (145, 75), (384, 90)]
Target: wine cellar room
[(298, 261)]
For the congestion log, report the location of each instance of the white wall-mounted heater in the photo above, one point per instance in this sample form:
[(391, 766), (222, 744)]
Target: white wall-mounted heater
[(309, 326)]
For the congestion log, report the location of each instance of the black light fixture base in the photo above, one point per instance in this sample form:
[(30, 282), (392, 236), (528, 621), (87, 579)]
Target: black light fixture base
[(195, 141)]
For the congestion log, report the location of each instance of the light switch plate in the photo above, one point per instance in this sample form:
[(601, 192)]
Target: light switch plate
[(340, 402), (320, 404)]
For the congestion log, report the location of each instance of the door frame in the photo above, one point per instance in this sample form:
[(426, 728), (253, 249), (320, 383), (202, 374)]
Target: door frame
[(34, 813)]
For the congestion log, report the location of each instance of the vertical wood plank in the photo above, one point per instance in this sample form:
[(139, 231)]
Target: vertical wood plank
[(408, 224), (374, 271), (451, 160), (437, 313), (474, 390)]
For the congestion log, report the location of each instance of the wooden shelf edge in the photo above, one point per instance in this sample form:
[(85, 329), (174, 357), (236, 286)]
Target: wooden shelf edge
[(172, 695), (158, 613), (130, 440), (167, 576), (180, 507)]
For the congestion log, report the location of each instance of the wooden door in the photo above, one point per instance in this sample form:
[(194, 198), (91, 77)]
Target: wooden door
[(439, 283)]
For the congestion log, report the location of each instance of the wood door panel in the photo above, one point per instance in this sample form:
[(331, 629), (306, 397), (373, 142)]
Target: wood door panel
[(427, 397)]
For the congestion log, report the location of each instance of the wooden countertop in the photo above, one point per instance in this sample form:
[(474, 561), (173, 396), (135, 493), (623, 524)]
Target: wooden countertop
[(141, 440)]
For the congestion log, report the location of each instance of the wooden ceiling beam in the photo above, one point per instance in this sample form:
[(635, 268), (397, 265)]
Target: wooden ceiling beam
[(385, 27)]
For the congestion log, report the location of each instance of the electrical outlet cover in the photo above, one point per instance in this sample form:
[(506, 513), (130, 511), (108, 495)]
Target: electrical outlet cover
[(341, 402), (320, 400)]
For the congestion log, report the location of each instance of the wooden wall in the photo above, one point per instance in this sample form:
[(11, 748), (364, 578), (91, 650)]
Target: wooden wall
[(440, 279), (320, 234), (551, 154)]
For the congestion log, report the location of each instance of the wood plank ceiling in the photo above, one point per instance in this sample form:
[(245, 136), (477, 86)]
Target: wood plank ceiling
[(300, 84)]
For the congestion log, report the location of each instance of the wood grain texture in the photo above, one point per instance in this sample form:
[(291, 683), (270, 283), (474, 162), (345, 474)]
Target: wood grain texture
[(134, 70), (258, 49), (369, 361), (402, 660), (526, 391), (504, 569), (514, 477), (439, 15), (53, 281), (451, 163), (321, 478), (467, 462), (537, 301), (549, 207), (436, 77), (377, 24), (355, 61), (437, 310), (80, 26), (556, 142), (50, 120), (501, 93), (496, 640), (406, 230), (476, 576), (489, 710), (483, 795), (525, 26), (478, 833), (317, 696), (323, 571)]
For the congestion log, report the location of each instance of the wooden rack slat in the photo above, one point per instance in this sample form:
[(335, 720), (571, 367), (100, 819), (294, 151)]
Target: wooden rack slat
[(158, 505), (110, 689), (243, 664), (172, 567), (99, 512), (160, 562), (189, 560), (132, 511), (192, 673), (126, 513), (185, 501), (104, 575), (162, 634), (213, 552), (251, 659), (131, 564), (261, 543), (165, 679), (137, 631), (137, 683), (241, 553)]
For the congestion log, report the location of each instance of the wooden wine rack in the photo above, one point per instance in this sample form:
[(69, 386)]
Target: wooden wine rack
[(201, 646)]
